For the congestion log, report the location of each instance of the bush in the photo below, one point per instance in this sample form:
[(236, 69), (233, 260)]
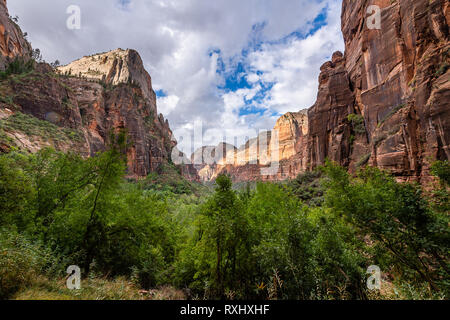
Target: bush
[(20, 262), (399, 219), (18, 66), (357, 122), (441, 169), (307, 187)]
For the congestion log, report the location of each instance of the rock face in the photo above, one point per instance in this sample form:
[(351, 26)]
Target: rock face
[(399, 76), (95, 111), (109, 92), (12, 41), (329, 132), (385, 103), (114, 67), (283, 147)]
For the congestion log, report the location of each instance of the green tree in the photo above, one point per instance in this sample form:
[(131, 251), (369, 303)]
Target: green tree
[(16, 191), (110, 168), (396, 216)]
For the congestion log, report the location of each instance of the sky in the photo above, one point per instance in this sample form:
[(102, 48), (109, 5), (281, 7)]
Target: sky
[(233, 66)]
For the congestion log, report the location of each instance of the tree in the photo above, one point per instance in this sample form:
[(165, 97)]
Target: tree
[(222, 233), (36, 55), (55, 64), (396, 216), (16, 191), (110, 168)]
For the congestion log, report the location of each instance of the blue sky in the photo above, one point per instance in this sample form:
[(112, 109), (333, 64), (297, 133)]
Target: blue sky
[(233, 65)]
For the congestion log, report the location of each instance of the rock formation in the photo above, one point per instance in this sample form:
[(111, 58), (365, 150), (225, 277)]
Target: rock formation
[(109, 92), (399, 76), (12, 41), (246, 162), (385, 103), (114, 67)]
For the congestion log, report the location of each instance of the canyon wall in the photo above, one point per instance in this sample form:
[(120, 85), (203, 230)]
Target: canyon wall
[(12, 41), (77, 108), (399, 76), (385, 102)]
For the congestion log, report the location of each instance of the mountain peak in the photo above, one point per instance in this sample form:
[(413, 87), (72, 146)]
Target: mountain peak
[(113, 67)]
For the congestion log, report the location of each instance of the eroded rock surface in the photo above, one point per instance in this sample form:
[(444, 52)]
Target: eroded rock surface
[(385, 102), (12, 41)]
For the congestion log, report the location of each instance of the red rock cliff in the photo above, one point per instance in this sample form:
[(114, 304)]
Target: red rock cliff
[(399, 76), (385, 102), (77, 111), (12, 41)]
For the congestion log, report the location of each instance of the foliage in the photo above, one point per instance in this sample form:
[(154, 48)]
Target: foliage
[(357, 122), (17, 66), (169, 180), (311, 238), (398, 218), (441, 169), (20, 261), (32, 126), (307, 187)]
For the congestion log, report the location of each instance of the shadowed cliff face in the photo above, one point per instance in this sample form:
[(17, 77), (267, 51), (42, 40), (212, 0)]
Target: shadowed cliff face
[(396, 82), (329, 133), (12, 42), (399, 76)]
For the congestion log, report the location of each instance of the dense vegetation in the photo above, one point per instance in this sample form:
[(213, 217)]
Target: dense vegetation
[(312, 238)]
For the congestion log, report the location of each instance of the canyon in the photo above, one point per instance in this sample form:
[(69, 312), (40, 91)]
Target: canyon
[(384, 102), (111, 92)]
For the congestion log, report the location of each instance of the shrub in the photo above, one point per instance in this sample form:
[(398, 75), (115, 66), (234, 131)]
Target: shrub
[(307, 187), (20, 262), (441, 169), (17, 66), (357, 122), (398, 219)]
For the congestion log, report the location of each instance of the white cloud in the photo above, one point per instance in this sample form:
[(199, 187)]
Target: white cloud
[(175, 39), (168, 104)]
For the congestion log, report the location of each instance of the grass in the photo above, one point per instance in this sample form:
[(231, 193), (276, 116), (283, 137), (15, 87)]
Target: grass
[(363, 160), (32, 126), (95, 289), (91, 289), (391, 113)]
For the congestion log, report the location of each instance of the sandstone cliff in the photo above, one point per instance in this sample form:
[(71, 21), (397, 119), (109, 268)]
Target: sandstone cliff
[(108, 93), (399, 77), (12, 41), (245, 163), (385, 102)]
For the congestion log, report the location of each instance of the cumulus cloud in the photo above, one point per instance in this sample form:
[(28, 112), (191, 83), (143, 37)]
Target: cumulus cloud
[(191, 47)]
